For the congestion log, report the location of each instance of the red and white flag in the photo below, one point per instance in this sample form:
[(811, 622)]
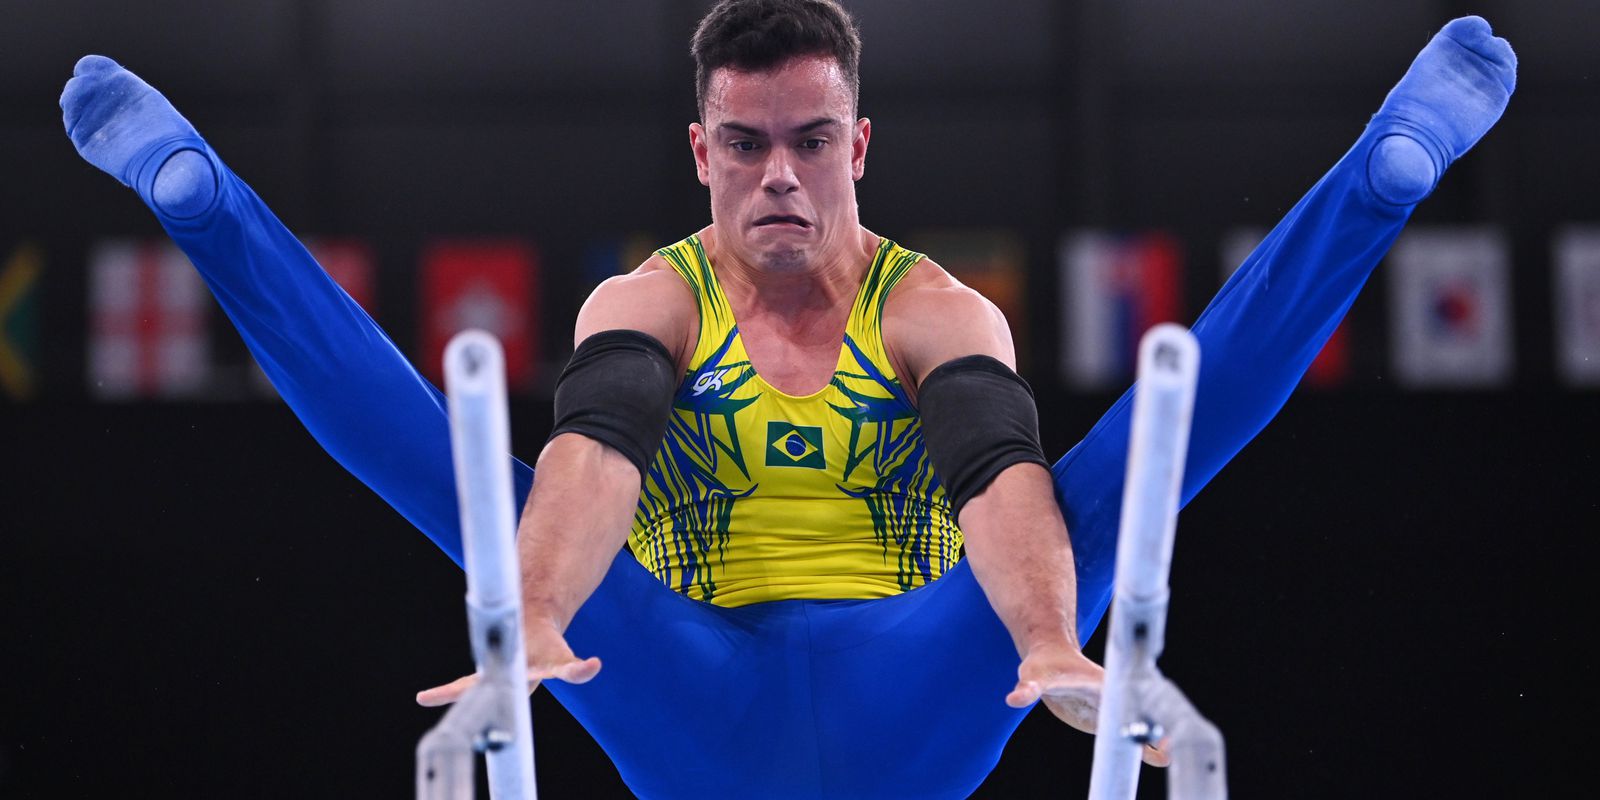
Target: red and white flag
[(1332, 364), (1450, 308), (1113, 289), (349, 262), (148, 310), (1577, 305), (490, 284)]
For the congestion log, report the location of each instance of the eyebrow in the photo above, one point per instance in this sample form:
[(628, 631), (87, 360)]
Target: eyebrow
[(751, 130)]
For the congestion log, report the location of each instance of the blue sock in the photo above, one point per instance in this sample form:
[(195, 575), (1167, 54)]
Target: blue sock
[(1454, 91), (128, 129)]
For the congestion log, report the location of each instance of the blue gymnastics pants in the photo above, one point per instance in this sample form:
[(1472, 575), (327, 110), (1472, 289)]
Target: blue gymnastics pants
[(897, 697)]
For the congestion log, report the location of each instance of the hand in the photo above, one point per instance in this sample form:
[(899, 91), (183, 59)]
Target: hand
[(549, 657), (1069, 684)]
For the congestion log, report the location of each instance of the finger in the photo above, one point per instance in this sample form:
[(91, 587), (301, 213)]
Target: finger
[(446, 694), (1153, 755), (1026, 694), (576, 671)]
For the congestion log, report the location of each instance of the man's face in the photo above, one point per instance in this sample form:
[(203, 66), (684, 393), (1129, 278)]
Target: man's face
[(781, 151)]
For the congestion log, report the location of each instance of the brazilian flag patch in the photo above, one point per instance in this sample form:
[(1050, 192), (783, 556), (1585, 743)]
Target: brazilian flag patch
[(791, 445)]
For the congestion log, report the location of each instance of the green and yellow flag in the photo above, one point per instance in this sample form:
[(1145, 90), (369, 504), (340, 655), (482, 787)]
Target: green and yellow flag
[(19, 321)]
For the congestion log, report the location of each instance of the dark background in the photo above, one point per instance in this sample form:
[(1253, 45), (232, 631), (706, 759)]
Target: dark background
[(1388, 593)]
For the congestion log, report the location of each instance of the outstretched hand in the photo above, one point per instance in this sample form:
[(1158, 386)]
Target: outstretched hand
[(1068, 684), (549, 658)]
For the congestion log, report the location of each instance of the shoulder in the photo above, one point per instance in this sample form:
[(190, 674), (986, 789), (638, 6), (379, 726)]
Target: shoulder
[(930, 318), (652, 299), (930, 295)]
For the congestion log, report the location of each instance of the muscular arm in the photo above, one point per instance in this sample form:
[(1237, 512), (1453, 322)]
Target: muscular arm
[(585, 491), (1016, 539)]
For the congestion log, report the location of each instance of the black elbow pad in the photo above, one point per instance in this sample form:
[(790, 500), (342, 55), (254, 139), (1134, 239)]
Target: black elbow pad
[(978, 417), (617, 390)]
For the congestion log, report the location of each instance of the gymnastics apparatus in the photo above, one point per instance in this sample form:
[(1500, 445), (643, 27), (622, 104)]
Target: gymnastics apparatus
[(1139, 706)]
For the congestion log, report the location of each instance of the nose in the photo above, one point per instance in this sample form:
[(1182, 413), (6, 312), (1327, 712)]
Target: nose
[(779, 177)]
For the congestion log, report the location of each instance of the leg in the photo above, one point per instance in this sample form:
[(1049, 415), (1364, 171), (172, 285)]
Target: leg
[(910, 690), (336, 368), (902, 697), (342, 376), (682, 679), (1261, 332), (694, 700)]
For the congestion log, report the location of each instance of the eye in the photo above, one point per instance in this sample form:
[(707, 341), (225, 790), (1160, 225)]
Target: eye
[(813, 144), (743, 145)]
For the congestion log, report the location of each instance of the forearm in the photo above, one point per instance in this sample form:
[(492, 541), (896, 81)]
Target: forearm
[(577, 518), (1021, 556)]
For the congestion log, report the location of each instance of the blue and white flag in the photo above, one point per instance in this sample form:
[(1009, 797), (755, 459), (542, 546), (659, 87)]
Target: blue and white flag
[(1577, 305)]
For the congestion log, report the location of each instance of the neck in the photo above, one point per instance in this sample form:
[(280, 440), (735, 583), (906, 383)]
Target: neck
[(831, 280)]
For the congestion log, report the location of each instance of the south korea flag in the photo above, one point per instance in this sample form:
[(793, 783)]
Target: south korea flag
[(1450, 308)]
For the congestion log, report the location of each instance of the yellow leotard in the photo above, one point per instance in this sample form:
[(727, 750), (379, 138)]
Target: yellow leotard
[(756, 495)]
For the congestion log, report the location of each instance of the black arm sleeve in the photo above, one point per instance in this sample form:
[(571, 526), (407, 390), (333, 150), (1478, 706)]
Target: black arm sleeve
[(618, 391), (978, 417)]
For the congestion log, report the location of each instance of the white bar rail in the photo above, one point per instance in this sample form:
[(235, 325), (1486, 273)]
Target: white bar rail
[(493, 716), (1139, 705)]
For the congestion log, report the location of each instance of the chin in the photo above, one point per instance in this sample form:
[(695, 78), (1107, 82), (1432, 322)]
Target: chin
[(785, 259)]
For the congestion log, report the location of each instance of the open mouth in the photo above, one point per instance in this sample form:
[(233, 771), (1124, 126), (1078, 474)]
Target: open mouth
[(783, 219)]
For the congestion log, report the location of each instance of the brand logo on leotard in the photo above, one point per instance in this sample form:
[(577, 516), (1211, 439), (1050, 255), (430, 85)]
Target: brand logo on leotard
[(708, 381), (791, 445)]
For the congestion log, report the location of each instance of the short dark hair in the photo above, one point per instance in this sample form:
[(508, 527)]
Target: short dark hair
[(756, 35)]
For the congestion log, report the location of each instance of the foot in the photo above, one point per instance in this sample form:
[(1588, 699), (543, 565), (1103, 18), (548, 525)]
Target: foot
[(117, 122), (1453, 93)]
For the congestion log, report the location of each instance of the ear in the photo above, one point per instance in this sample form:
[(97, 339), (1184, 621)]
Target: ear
[(698, 143), (858, 148)]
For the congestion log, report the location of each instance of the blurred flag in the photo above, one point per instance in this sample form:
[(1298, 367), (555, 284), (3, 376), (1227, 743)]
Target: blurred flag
[(1332, 365), (147, 313), (349, 262), (610, 257), (1113, 289), (19, 321), (490, 284), (1450, 308), (1577, 287), (992, 262)]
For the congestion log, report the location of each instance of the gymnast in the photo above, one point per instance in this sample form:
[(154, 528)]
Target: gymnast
[(794, 496)]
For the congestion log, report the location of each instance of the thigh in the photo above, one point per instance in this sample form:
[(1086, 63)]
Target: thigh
[(693, 700), (338, 371), (910, 691)]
